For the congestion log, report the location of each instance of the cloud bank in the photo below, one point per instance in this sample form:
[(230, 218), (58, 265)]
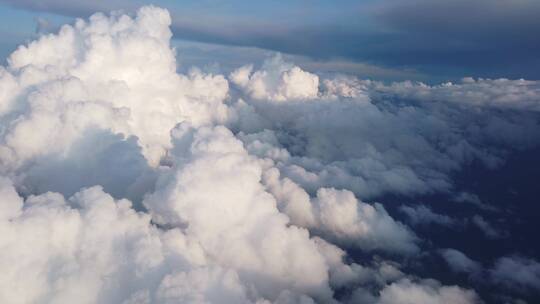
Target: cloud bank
[(486, 38), (124, 181)]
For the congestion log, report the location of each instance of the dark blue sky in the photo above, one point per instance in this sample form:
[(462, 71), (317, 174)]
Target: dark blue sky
[(435, 39)]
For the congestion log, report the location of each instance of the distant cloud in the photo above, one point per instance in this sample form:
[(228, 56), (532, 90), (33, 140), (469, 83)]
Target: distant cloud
[(423, 215), (486, 227), (519, 273), (503, 93), (407, 292), (459, 262), (424, 35), (471, 198), (77, 8)]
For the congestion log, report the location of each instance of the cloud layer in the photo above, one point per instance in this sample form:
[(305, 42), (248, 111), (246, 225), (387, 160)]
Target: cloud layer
[(124, 181), (486, 38)]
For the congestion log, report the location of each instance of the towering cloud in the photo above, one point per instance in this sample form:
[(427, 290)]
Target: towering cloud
[(124, 181), (109, 73)]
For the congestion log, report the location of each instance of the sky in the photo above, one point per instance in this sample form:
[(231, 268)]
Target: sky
[(436, 40), (375, 152)]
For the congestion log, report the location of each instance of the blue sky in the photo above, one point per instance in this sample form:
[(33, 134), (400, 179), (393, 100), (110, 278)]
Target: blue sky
[(427, 40)]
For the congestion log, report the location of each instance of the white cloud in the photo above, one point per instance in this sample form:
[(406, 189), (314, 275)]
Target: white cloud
[(93, 249), (369, 227), (214, 191), (240, 188), (277, 81), (203, 285), (427, 292), (354, 134), (100, 252), (112, 73), (339, 216)]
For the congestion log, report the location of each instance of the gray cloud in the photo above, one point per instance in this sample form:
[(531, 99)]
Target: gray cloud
[(520, 273), (448, 38), (73, 8), (352, 136), (423, 215), (486, 227), (459, 262)]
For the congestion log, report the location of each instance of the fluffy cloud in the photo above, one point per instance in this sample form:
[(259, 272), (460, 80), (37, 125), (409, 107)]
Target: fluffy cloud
[(88, 249), (459, 262), (214, 191), (504, 93), (423, 215), (110, 73), (352, 135), (338, 215), (428, 292), (522, 274), (203, 285), (277, 81), (93, 249), (124, 181), (97, 104)]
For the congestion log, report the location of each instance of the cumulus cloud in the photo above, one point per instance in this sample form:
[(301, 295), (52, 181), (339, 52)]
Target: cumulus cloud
[(215, 192), (519, 273), (343, 275), (405, 291), (124, 181), (88, 249), (277, 80), (504, 93), (428, 292), (350, 135), (68, 86), (97, 103), (423, 215), (459, 262), (338, 215)]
